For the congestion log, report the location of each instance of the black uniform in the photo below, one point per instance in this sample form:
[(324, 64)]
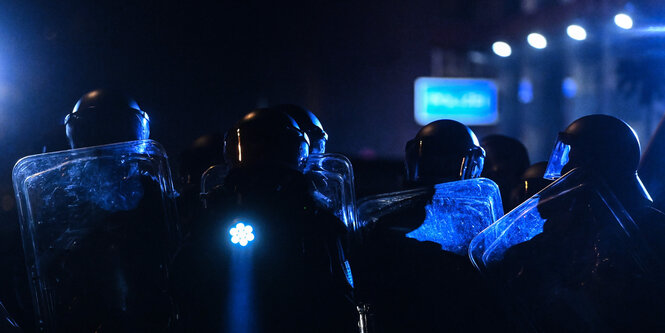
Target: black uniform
[(416, 286), (287, 271), (295, 275)]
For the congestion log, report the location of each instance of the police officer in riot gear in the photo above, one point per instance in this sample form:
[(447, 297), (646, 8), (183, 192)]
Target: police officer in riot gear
[(585, 254), (423, 284), (506, 159), (264, 252), (105, 116), (206, 151), (99, 117), (309, 123), (99, 222), (443, 151)]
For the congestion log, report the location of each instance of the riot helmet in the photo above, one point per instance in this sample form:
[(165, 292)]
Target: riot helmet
[(604, 147), (444, 150), (531, 182), (309, 123), (204, 152), (505, 160), (105, 116), (266, 137), (602, 144)]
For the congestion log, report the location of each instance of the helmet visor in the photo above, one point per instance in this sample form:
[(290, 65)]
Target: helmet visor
[(472, 165), (558, 159)]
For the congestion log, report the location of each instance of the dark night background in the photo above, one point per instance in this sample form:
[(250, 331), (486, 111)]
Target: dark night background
[(197, 67)]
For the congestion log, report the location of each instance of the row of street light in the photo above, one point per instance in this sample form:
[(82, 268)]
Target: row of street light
[(574, 31)]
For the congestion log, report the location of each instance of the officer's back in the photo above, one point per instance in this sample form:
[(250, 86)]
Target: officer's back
[(415, 285), (263, 256)]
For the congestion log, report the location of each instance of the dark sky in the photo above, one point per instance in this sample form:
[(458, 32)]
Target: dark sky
[(198, 67)]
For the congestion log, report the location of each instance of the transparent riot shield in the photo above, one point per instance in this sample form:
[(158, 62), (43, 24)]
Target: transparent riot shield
[(211, 178), (7, 324), (98, 227), (454, 212), (573, 258), (332, 176), (652, 164)]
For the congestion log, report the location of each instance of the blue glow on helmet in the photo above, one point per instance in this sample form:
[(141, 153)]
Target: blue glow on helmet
[(242, 234)]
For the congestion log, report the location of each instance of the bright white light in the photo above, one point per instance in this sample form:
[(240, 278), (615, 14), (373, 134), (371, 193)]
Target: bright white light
[(502, 49), (576, 32), (537, 40), (241, 234), (623, 21)]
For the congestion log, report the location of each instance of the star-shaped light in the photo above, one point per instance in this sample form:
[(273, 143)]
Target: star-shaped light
[(241, 234)]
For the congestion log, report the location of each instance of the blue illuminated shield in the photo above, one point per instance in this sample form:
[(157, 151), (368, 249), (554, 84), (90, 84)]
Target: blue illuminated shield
[(526, 221), (455, 213)]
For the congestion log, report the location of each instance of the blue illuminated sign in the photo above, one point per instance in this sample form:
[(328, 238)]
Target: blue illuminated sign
[(469, 101)]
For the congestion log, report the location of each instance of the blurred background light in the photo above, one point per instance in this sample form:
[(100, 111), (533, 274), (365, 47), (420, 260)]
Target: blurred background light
[(655, 29), (525, 91), (537, 40), (502, 49), (569, 87), (623, 21), (576, 32)]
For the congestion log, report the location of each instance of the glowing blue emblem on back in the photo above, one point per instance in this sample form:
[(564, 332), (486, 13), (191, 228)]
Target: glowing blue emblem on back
[(241, 234)]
